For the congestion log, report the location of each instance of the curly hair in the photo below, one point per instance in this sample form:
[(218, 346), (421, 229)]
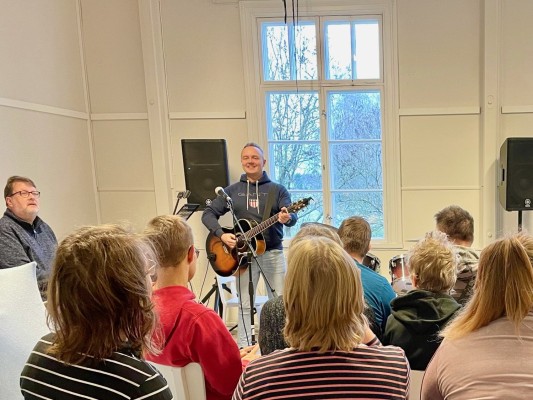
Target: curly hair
[(434, 262), (456, 222)]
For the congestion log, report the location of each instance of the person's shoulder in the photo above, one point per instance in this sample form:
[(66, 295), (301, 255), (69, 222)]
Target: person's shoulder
[(388, 351), (275, 302), (6, 221), (372, 275)]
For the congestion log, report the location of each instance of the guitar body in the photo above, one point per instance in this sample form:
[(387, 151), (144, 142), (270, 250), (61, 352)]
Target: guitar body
[(226, 261)]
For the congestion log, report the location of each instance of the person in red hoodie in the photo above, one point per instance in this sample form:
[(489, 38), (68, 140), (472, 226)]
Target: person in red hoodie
[(191, 332)]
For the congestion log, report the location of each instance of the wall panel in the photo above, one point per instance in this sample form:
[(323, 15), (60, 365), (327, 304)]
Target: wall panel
[(54, 151), (439, 53), (113, 53), (39, 49)]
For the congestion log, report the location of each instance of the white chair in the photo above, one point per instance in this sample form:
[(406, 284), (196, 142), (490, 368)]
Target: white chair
[(415, 385), (227, 288), (185, 383), (22, 324)]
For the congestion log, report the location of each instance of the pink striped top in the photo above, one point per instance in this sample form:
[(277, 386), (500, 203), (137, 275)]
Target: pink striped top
[(367, 372)]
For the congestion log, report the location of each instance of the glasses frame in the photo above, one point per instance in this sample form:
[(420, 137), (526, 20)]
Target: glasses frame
[(25, 193)]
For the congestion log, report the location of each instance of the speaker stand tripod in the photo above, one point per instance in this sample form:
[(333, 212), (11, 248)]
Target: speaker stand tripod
[(218, 307)]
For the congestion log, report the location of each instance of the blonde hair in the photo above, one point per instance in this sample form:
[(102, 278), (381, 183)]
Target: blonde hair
[(504, 287), (323, 297), (434, 262), (98, 295), (316, 229), (171, 238), (355, 233)]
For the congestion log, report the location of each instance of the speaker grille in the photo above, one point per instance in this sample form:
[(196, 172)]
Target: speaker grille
[(205, 166), (516, 180)]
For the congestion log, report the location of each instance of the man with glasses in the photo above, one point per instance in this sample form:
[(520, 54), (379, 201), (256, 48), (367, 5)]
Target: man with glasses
[(24, 237)]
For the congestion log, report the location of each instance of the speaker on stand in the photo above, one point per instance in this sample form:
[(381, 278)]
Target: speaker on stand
[(515, 187), (205, 164)]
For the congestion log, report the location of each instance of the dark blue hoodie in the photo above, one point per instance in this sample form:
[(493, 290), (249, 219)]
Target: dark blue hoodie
[(249, 201)]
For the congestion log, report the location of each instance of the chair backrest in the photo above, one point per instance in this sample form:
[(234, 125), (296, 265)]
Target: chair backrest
[(227, 288), (415, 385), (185, 383), (22, 324)]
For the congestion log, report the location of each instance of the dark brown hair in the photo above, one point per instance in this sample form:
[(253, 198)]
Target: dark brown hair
[(456, 222)]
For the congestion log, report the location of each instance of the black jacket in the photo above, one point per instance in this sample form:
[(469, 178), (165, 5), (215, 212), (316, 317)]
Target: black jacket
[(415, 322)]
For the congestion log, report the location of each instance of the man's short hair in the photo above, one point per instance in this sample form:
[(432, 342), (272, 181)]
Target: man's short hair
[(355, 234), (456, 222), (434, 262), (253, 144), (171, 238), (8, 189), (323, 297)]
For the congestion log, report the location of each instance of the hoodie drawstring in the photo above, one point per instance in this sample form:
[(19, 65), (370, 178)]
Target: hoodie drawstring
[(256, 194)]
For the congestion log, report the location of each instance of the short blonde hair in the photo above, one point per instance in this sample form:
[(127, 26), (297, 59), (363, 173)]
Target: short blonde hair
[(434, 262), (323, 297), (316, 229), (504, 286), (171, 238)]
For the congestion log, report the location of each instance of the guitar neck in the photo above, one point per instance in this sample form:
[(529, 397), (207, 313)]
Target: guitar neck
[(256, 230)]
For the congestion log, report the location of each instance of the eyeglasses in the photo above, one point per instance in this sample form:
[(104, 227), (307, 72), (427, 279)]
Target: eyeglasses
[(196, 251), (151, 269), (25, 193)]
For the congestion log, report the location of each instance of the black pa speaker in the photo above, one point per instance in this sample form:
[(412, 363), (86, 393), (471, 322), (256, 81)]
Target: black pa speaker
[(516, 174), (206, 166)]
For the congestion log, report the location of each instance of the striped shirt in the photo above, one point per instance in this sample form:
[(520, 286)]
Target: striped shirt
[(368, 372), (122, 376)]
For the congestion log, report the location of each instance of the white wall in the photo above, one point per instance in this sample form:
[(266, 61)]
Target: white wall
[(158, 71), (43, 115)]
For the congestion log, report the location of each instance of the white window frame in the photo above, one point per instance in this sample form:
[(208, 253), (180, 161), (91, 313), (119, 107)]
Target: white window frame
[(252, 11)]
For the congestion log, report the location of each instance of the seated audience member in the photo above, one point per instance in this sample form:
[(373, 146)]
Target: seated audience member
[(273, 312), (418, 316), (487, 351), (355, 234), (192, 332), (325, 328), (458, 224), (24, 237), (100, 311)]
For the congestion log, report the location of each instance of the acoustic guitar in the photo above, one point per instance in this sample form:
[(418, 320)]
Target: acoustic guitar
[(226, 261)]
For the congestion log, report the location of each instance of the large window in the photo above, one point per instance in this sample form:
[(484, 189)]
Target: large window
[(321, 95)]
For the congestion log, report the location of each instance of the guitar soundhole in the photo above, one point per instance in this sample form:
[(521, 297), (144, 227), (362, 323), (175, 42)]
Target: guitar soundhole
[(241, 245)]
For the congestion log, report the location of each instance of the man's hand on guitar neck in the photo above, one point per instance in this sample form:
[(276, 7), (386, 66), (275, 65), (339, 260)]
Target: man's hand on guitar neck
[(284, 216), (229, 239)]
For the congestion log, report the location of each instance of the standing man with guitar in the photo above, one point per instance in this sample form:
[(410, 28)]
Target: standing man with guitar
[(255, 198)]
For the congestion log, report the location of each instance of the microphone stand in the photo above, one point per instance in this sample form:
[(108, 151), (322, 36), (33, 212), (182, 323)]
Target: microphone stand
[(249, 254)]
